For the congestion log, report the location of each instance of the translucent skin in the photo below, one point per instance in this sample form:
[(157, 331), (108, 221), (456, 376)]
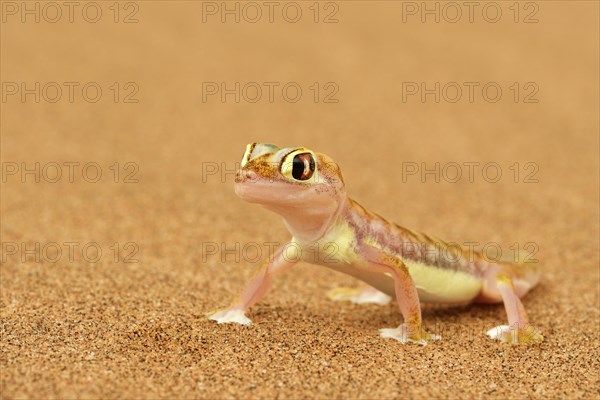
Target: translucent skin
[(394, 260)]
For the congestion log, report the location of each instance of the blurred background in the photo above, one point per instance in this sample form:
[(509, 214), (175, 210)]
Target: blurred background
[(121, 126)]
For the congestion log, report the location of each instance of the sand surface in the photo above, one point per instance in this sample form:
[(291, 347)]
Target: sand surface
[(76, 324)]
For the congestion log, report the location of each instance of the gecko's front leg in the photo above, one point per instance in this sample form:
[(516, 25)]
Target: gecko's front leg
[(406, 296), (254, 290)]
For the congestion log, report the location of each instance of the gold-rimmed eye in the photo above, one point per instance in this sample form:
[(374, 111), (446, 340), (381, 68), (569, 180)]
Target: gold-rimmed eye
[(247, 154), (299, 165)]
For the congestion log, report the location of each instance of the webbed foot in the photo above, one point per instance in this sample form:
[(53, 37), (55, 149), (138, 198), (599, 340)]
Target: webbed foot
[(404, 334), (514, 335), (229, 316)]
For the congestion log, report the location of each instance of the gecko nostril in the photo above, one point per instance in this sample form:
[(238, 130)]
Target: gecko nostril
[(251, 175), (245, 175)]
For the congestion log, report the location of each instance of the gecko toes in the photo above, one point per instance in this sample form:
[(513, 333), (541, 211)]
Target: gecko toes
[(230, 316), (402, 335), (512, 334)]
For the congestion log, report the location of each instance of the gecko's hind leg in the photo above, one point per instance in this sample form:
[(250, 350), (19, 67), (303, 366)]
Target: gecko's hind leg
[(518, 329), (362, 295)]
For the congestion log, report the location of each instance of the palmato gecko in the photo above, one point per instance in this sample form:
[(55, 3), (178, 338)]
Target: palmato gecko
[(308, 191)]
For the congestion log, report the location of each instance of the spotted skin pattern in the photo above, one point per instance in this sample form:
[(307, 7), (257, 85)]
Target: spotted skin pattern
[(330, 229)]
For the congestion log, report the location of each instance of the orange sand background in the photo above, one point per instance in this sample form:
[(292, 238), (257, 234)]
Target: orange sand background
[(106, 329)]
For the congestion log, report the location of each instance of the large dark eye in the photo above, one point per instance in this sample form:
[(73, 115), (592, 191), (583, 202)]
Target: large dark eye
[(303, 166), (299, 165)]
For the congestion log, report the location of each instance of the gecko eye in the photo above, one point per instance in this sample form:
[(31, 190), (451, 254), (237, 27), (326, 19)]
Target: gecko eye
[(299, 165), (303, 166), (247, 154)]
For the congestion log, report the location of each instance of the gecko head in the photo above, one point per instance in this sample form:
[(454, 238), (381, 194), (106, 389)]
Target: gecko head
[(291, 178)]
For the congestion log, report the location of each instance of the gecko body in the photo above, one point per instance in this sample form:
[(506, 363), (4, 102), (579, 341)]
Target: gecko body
[(329, 228)]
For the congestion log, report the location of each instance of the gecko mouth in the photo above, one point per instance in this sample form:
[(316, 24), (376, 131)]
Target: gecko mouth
[(265, 192)]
